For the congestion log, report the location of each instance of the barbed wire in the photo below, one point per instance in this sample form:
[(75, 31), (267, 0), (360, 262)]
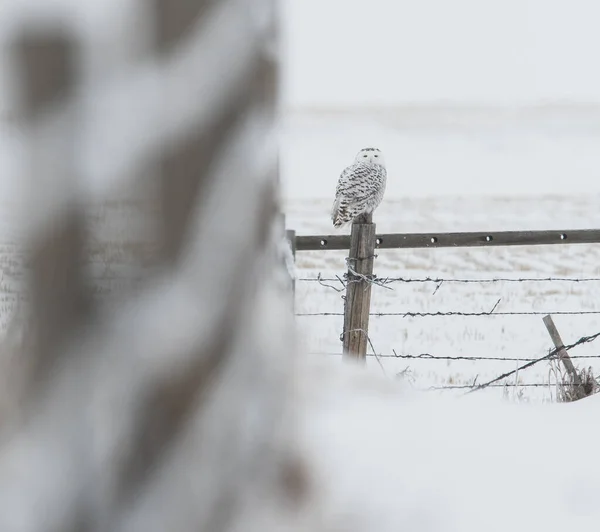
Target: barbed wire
[(475, 386), (505, 385), (384, 282), (528, 362), (374, 354), (443, 358), (551, 354), (437, 280), (352, 277), (460, 313), (493, 382)]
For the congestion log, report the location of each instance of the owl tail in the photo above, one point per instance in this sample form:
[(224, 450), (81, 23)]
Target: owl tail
[(339, 214), (340, 219), (336, 215)]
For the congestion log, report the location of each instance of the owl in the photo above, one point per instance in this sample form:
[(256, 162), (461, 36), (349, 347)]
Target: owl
[(360, 188)]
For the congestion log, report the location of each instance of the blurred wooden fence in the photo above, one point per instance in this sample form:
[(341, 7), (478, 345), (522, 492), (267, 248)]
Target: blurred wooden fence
[(162, 410)]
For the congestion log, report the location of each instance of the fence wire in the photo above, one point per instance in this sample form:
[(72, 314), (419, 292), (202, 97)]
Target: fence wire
[(526, 362), (470, 387), (440, 358), (438, 280), (490, 313)]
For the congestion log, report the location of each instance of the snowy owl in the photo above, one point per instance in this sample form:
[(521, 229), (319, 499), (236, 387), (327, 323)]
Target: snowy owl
[(360, 187)]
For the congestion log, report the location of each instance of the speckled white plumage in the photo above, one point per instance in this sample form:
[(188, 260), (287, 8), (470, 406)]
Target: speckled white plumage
[(360, 188)]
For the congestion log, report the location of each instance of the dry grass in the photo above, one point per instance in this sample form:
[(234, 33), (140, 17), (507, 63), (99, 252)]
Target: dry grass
[(566, 390)]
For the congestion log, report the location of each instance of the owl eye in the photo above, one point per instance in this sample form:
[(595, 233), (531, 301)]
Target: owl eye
[(365, 155), (376, 155)]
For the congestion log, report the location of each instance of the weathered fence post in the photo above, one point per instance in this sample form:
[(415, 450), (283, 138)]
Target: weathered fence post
[(564, 357), (358, 289)]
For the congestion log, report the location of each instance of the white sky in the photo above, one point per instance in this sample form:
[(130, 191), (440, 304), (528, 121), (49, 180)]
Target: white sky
[(376, 52), (382, 52), (353, 53)]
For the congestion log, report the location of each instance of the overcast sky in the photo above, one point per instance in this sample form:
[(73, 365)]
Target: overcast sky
[(354, 53), (375, 52)]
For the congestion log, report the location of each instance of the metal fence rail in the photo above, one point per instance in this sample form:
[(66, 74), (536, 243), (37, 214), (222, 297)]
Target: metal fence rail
[(451, 240)]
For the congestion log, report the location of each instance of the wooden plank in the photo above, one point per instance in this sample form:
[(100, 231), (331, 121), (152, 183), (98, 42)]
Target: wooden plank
[(358, 291), (445, 240)]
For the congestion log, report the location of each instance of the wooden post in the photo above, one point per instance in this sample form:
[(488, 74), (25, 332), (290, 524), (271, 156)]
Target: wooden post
[(563, 355), (358, 289)]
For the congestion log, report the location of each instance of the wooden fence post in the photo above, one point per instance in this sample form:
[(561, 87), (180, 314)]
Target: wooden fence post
[(563, 356), (358, 289)]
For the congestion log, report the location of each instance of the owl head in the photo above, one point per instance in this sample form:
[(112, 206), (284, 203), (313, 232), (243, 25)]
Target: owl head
[(370, 155)]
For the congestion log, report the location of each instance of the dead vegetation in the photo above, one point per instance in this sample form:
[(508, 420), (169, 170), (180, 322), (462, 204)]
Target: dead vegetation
[(566, 387)]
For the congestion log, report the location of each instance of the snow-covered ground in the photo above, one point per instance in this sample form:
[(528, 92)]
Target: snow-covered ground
[(450, 169), (382, 458), (493, 170)]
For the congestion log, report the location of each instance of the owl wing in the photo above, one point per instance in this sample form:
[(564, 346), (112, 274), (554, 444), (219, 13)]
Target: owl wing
[(370, 194), (354, 192), (340, 203), (365, 183)]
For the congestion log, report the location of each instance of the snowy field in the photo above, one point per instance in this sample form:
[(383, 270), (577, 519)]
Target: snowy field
[(449, 170), (537, 181)]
